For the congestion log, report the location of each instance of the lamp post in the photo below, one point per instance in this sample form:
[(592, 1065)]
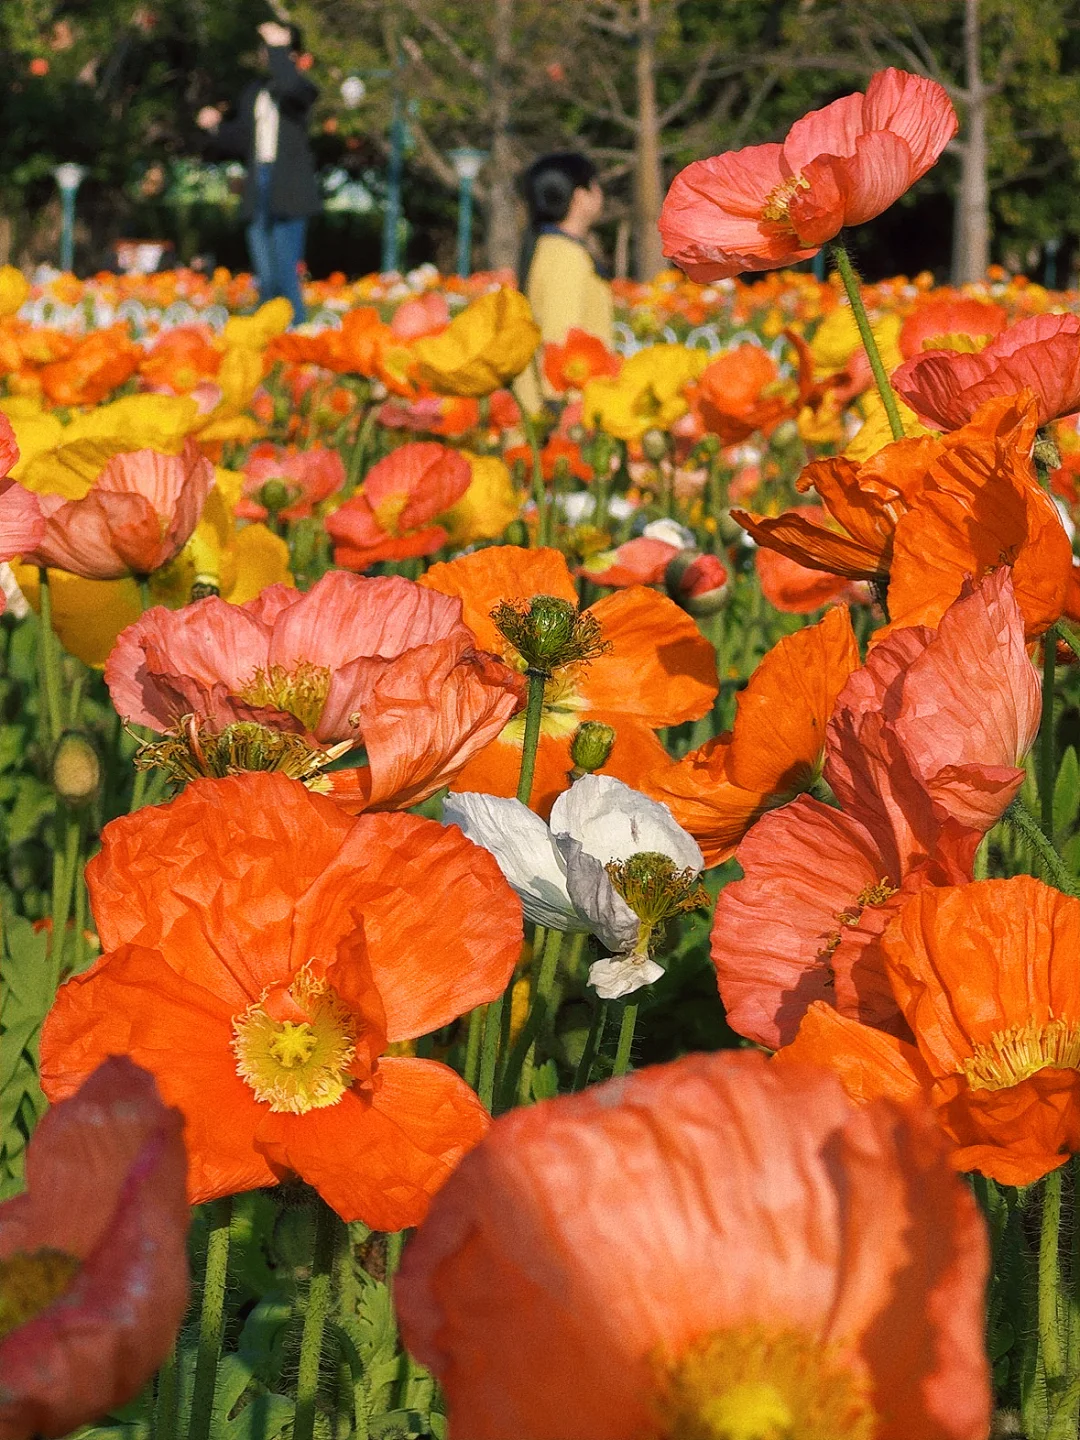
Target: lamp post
[(467, 164), (353, 91), (68, 177)]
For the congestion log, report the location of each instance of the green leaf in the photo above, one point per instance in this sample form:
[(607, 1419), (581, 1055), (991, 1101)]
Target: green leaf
[(545, 1081), (33, 801), (1067, 794)]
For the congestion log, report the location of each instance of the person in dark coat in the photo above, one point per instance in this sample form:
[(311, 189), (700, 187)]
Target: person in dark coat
[(268, 131)]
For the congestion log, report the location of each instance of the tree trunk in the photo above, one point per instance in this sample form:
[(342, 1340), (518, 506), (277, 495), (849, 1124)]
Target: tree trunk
[(971, 232), (648, 178), (503, 229)]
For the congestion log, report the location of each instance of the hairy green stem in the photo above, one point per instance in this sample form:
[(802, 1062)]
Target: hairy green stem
[(359, 451), (472, 1046), (1045, 755), (517, 1077), (51, 681), (67, 864), (539, 490), (626, 1040), (315, 1312), (534, 714), (583, 1073), (1054, 868), (211, 1321), (489, 1049), (165, 1403), (873, 354)]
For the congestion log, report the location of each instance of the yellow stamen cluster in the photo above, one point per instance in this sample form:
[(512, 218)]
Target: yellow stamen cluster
[(189, 753), (389, 511), (297, 1065), (301, 692), (654, 887), (1020, 1051), (876, 894), (753, 1384), (549, 632), (778, 200), (30, 1281)]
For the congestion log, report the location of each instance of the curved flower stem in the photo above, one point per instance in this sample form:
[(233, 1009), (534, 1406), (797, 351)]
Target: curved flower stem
[(315, 1313), (359, 452), (1047, 768), (211, 1321), (534, 714), (873, 354), (539, 490), (583, 1073), (519, 1065), (626, 1039), (51, 682), (1022, 820), (164, 1421)]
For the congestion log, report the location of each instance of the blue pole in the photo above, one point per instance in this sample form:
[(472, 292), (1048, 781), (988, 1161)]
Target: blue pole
[(392, 214), (464, 231), (67, 229)]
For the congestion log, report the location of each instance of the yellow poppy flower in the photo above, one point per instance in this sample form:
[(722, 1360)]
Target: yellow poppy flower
[(647, 394), (483, 348), (14, 290), (488, 505)]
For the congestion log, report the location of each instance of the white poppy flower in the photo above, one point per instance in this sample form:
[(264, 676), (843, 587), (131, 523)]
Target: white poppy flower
[(560, 872)]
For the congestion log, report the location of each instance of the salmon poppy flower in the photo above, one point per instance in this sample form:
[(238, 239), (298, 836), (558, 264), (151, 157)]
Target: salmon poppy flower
[(772, 205), (375, 662), (390, 518), (641, 561), (924, 752), (948, 320), (743, 391), (22, 524), (658, 671), (93, 1255), (985, 976), (261, 949), (1040, 353), (719, 1246), (580, 358), (306, 478), (776, 747), (132, 519), (924, 513)]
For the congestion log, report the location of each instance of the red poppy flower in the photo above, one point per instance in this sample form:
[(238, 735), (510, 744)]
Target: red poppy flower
[(260, 951), (380, 662), (390, 517), (580, 358), (308, 477), (659, 670), (133, 518), (775, 749), (719, 1246), (93, 1255), (772, 205), (1040, 353), (558, 452)]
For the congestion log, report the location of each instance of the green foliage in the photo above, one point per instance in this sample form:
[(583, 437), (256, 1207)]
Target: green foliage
[(25, 995)]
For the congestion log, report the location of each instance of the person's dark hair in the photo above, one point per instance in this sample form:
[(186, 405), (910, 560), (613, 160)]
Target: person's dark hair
[(547, 187), (296, 40)]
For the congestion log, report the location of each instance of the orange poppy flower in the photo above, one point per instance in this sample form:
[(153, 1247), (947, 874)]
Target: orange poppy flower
[(948, 320), (389, 519), (374, 662), (924, 752), (1040, 353), (135, 516), (580, 358), (558, 451), (743, 391), (93, 1255), (659, 670), (99, 363), (776, 747), (923, 514), (772, 205), (985, 976), (260, 951), (719, 1246), (181, 359), (791, 587)]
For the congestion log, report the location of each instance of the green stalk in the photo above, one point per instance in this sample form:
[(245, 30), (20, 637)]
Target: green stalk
[(472, 1046), (489, 1050), (51, 681), (1054, 868), (517, 1077), (534, 714), (626, 1040), (66, 869), (211, 1321), (1045, 756), (1049, 1302), (164, 1421), (315, 1313), (539, 490), (583, 1073), (359, 452), (873, 354)]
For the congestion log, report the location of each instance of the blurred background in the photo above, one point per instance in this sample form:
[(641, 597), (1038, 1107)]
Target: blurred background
[(420, 96)]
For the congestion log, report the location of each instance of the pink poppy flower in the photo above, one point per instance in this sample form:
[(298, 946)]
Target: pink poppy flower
[(94, 1255), (1040, 354), (390, 519), (772, 205), (307, 477)]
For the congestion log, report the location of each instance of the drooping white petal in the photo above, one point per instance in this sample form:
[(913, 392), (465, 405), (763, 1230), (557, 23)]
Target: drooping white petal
[(672, 533), (522, 845), (593, 895), (613, 822), (620, 975)]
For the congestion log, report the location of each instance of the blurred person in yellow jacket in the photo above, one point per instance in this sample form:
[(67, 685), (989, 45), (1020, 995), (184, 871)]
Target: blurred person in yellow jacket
[(557, 271)]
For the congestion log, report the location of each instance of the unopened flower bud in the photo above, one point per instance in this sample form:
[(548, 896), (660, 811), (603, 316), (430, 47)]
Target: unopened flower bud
[(548, 632), (654, 444), (697, 582), (275, 495), (76, 768), (203, 586), (1046, 453), (516, 533), (590, 747)]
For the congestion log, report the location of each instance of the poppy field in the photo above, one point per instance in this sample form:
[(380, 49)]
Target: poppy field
[(547, 927)]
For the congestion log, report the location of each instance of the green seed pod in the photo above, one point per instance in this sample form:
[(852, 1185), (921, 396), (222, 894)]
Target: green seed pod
[(76, 768), (591, 746)]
